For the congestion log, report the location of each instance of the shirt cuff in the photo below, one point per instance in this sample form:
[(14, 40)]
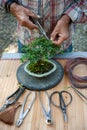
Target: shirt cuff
[(76, 14)]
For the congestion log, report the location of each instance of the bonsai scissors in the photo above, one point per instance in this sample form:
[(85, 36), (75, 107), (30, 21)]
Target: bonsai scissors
[(12, 98), (41, 29), (62, 105), (39, 26)]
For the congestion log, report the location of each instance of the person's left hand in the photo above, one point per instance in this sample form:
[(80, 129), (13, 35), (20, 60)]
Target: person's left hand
[(61, 30)]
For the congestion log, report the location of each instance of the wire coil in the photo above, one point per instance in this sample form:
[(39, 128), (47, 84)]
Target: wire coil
[(76, 81)]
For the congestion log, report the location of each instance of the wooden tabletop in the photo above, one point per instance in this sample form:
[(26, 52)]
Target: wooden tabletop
[(35, 120)]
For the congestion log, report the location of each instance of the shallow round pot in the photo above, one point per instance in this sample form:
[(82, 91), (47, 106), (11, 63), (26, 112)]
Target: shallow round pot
[(40, 75)]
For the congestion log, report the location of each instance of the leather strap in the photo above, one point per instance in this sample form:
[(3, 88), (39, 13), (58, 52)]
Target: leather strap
[(76, 81)]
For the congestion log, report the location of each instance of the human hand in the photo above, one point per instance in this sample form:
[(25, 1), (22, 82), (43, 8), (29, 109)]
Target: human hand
[(61, 30), (22, 14)]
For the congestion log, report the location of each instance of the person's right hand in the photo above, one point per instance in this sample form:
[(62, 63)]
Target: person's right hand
[(22, 14)]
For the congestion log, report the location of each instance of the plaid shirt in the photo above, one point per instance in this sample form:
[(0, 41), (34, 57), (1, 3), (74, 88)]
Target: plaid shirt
[(50, 12)]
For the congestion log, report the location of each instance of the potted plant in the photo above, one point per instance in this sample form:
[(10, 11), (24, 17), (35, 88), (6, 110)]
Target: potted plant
[(38, 54)]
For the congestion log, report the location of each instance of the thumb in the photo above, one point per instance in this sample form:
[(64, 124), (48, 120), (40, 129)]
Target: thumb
[(53, 36)]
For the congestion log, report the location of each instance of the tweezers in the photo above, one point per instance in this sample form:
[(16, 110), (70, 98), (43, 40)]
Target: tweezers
[(83, 97)]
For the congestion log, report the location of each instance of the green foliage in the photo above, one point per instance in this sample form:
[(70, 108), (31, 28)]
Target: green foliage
[(39, 49), (40, 67)]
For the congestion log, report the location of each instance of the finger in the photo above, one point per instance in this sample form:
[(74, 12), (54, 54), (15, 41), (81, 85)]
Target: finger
[(53, 36), (30, 25), (32, 14), (60, 40), (27, 23), (63, 37)]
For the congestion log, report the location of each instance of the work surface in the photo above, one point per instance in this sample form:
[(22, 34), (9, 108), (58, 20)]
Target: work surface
[(35, 120)]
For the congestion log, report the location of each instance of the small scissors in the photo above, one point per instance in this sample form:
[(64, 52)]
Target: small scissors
[(35, 21), (62, 105)]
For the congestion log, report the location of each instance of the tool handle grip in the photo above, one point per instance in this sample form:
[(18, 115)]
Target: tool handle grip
[(15, 96)]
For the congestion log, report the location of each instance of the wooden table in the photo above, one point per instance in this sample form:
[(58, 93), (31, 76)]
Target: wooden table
[(77, 110)]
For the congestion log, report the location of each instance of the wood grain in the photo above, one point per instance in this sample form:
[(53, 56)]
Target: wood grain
[(35, 120)]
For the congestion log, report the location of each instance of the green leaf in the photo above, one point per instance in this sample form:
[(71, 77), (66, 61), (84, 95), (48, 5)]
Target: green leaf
[(40, 48)]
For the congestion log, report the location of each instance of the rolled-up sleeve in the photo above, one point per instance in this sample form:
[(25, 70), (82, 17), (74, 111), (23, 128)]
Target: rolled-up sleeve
[(76, 13)]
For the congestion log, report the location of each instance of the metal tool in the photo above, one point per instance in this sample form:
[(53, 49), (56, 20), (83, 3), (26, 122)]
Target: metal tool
[(84, 98), (62, 105), (41, 29), (35, 21), (23, 114), (47, 114), (12, 98)]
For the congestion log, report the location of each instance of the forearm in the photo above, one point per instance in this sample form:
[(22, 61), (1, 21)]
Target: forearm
[(75, 13)]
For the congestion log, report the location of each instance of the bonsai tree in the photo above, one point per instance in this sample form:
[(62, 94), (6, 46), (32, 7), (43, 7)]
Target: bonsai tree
[(38, 52)]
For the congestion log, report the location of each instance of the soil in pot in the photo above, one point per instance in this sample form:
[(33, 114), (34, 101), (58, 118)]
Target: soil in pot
[(40, 67)]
